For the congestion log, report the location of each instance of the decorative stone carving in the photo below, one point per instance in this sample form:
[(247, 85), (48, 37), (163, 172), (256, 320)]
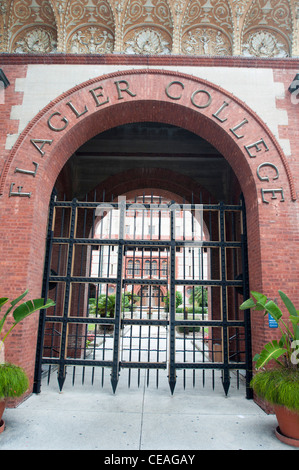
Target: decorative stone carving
[(264, 44), (148, 11), (89, 27), (267, 26), (147, 41), (91, 40), (205, 41), (208, 12), (196, 27), (37, 40)]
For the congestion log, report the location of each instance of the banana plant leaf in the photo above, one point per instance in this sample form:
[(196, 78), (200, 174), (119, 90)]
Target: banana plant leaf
[(272, 350), (272, 308), (3, 301), (288, 303), (25, 309)]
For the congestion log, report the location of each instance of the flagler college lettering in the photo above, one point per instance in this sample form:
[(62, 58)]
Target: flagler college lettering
[(200, 99)]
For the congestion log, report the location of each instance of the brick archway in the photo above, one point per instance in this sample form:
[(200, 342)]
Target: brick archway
[(149, 95), (120, 98)]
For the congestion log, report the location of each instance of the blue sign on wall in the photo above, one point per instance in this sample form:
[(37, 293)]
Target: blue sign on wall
[(272, 323)]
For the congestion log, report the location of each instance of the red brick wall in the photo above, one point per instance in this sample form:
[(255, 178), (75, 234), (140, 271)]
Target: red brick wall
[(11, 98)]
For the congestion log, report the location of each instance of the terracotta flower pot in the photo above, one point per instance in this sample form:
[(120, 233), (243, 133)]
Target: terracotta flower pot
[(2, 408), (288, 422)]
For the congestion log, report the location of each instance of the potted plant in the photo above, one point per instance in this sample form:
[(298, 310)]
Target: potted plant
[(13, 379), (279, 385)]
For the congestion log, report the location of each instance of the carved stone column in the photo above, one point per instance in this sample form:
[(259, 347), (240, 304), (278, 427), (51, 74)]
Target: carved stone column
[(118, 41), (295, 40)]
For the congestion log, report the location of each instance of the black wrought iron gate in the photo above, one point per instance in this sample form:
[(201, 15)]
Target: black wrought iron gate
[(146, 285)]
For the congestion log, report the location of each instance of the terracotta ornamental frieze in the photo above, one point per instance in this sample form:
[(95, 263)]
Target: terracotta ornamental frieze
[(252, 28), (257, 144)]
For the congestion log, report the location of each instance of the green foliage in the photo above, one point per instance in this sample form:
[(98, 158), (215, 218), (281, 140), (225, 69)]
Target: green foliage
[(284, 352), (178, 300), (279, 386), (13, 381), (104, 306), (195, 310), (22, 311), (128, 301), (200, 295)]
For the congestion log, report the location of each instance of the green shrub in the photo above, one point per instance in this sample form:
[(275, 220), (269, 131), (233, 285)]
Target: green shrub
[(13, 381), (188, 330), (279, 386), (198, 310), (178, 300), (199, 296)]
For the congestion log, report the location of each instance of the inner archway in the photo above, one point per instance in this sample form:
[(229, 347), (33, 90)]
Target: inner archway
[(149, 155)]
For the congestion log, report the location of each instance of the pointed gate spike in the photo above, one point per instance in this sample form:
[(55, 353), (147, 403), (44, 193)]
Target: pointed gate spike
[(172, 384), (114, 382), (226, 381), (61, 378)]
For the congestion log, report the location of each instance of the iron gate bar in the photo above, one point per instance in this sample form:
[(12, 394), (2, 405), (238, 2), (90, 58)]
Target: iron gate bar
[(79, 362), (171, 208), (45, 287), (148, 365), (116, 344), (142, 365), (145, 321), (209, 323), (188, 282), (145, 243), (178, 282), (248, 355), (225, 377), (160, 282), (61, 368), (209, 365), (172, 308), (91, 320)]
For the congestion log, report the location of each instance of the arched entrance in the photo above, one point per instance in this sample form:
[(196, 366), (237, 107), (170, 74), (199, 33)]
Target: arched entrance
[(148, 268), (140, 96)]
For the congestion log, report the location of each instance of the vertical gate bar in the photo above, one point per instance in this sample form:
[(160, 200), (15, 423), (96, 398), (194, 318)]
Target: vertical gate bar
[(62, 368), (58, 271), (172, 372), (193, 215), (248, 358), (201, 274), (151, 218), (135, 220), (110, 224), (225, 375), (143, 217), (159, 219), (134, 268), (78, 328), (45, 288), (211, 307), (185, 309), (130, 329), (117, 324), (89, 275), (158, 334)]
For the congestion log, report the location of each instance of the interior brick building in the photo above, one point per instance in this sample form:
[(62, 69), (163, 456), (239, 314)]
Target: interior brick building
[(190, 101)]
